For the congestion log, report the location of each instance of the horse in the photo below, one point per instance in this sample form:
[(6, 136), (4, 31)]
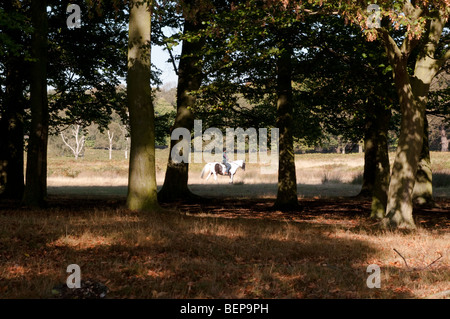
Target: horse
[(217, 168)]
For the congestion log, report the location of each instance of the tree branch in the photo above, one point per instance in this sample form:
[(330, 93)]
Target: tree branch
[(415, 269), (172, 59), (393, 51), (443, 59), (414, 13), (62, 135), (311, 12)]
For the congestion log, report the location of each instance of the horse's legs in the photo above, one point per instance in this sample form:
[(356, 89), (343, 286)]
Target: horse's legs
[(209, 175), (231, 178)]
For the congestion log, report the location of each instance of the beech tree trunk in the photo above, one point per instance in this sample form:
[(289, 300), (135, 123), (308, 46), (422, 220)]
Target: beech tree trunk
[(413, 91), (11, 132), (399, 208), (376, 160), (36, 172), (444, 140), (370, 153), (423, 188), (11, 121), (175, 185), (142, 186), (287, 181), (382, 166)]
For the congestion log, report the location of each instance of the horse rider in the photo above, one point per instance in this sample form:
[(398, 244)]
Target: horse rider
[(225, 162)]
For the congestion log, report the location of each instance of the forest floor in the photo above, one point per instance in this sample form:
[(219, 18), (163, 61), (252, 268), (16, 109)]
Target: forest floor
[(233, 244)]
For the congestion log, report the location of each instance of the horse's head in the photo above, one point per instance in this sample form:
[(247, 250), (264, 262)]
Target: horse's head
[(241, 163)]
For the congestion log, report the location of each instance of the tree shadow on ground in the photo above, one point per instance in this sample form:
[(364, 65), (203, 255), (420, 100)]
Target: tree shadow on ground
[(181, 256), (232, 248)]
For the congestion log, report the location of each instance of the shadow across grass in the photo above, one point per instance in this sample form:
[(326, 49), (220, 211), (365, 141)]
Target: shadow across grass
[(186, 257), (225, 248), (218, 190)]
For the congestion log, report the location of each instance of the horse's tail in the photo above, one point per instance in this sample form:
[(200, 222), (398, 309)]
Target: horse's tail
[(203, 171)]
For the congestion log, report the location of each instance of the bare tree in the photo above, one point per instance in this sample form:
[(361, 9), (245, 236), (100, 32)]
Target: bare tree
[(127, 143), (79, 140), (124, 130), (110, 138), (444, 139)]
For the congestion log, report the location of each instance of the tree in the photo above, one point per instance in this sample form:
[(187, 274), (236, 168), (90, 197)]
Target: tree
[(142, 195), (14, 63), (413, 92), (423, 186), (346, 82), (287, 181), (190, 76), (36, 171), (423, 24), (125, 138), (444, 140), (437, 100), (78, 140), (86, 76), (110, 139), (254, 59)]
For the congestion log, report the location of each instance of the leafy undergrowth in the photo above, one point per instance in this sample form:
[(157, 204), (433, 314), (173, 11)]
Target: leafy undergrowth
[(222, 249)]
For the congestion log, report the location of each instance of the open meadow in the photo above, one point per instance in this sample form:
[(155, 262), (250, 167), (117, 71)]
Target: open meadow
[(232, 244)]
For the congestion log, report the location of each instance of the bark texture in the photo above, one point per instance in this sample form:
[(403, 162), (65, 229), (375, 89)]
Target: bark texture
[(36, 171), (287, 181), (175, 185), (142, 186)]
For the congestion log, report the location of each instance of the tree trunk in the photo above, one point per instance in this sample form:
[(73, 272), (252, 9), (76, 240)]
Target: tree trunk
[(110, 138), (11, 132), (175, 185), (370, 153), (36, 172), (287, 181), (444, 140), (11, 121), (413, 92), (399, 208), (142, 174), (423, 188), (382, 166)]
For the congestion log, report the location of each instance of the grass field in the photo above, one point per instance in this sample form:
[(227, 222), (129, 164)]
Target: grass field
[(317, 175), (233, 246)]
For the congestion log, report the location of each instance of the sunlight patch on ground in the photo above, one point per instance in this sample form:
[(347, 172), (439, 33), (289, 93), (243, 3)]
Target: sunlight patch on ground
[(85, 241)]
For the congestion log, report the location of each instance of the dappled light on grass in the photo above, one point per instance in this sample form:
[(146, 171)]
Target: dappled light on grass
[(16, 271), (222, 249), (84, 241)]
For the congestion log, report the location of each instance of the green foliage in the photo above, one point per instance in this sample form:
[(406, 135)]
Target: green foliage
[(336, 72), (345, 78), (164, 103), (87, 64), (13, 18)]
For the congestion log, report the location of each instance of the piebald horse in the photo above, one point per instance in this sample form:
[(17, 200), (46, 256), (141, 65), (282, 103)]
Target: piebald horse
[(217, 168)]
